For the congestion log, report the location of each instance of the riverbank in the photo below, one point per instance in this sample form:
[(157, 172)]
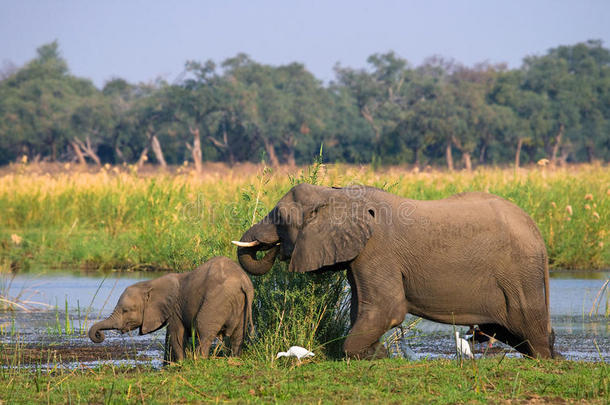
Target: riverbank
[(242, 380), (119, 218)]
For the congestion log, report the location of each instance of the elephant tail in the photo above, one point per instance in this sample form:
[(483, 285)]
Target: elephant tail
[(248, 322)]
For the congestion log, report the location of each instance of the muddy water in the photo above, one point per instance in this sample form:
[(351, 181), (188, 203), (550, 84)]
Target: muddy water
[(582, 330)]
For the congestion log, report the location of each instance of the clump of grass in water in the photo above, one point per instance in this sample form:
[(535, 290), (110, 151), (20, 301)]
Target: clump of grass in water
[(294, 310), (308, 310), (64, 324), (599, 298)]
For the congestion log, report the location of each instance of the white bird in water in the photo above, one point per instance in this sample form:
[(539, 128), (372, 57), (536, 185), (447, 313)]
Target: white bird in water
[(462, 346), (296, 351)]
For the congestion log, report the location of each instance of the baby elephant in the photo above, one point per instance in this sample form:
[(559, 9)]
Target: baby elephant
[(214, 299)]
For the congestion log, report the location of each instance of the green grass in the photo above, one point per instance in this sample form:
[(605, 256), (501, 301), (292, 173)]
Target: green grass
[(119, 219), (393, 380)]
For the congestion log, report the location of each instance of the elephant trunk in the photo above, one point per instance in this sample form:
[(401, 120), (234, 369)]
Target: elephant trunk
[(95, 332), (266, 237), (247, 259)]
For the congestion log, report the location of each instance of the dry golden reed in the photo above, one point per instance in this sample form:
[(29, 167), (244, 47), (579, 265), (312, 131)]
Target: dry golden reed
[(119, 217)]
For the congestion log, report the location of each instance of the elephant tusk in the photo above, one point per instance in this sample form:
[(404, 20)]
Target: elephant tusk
[(245, 244)]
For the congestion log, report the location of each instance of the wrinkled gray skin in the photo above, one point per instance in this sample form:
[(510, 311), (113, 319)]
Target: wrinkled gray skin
[(471, 259), (213, 300)]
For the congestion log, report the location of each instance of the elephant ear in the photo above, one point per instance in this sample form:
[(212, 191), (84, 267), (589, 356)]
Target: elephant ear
[(335, 232), (157, 303)]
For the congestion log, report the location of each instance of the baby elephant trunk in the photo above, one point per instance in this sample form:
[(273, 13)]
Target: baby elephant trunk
[(95, 332)]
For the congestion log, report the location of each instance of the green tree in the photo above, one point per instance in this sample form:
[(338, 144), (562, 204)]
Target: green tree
[(348, 136), (550, 77), (279, 106), (37, 103), (380, 95), (91, 124)]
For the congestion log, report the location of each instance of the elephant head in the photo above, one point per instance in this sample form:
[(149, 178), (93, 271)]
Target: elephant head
[(312, 226), (143, 305)]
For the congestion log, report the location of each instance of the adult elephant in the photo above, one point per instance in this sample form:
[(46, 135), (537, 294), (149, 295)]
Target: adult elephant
[(473, 258)]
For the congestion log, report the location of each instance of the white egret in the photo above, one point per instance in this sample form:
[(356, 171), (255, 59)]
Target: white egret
[(462, 345), (296, 351)]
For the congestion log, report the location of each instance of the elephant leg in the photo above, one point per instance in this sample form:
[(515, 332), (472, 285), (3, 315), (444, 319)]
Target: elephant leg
[(237, 339), (168, 356), (540, 347), (174, 344), (528, 322), (536, 344), (205, 343), (527, 317), (206, 332), (534, 330), (531, 339), (380, 305), (362, 342), (210, 322), (363, 339)]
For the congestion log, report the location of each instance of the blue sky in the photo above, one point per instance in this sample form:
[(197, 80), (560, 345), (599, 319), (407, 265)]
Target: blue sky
[(143, 40)]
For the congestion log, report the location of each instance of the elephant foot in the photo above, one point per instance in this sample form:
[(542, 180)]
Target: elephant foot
[(374, 352), (533, 346)]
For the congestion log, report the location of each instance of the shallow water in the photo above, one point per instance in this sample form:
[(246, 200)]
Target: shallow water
[(579, 335)]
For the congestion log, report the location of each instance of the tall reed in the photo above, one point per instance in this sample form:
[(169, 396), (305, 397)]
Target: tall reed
[(121, 219)]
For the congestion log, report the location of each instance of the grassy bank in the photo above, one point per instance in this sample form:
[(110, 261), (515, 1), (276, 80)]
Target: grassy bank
[(119, 218), (235, 380)]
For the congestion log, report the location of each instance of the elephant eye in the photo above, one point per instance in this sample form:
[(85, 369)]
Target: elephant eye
[(310, 215), (313, 213)]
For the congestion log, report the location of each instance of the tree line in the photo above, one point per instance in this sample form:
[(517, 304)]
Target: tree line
[(555, 106)]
